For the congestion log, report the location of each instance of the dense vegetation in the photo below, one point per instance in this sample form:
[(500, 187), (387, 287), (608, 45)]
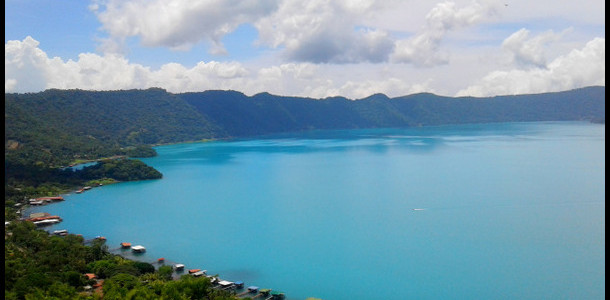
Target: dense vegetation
[(57, 127), (42, 266), (240, 115), (25, 181)]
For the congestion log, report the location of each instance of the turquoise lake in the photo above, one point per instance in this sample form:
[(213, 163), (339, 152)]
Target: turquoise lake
[(485, 211)]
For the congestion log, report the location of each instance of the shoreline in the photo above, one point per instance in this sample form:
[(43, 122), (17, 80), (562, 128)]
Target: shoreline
[(238, 287)]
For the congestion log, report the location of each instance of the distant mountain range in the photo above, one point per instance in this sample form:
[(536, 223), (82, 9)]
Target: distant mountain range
[(78, 123)]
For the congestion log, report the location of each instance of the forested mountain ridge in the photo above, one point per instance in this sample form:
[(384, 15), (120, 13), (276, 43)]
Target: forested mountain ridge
[(240, 115), (55, 126)]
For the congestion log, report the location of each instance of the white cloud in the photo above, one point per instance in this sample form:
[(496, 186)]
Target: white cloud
[(317, 31), (178, 24), (29, 69), (528, 51), (584, 67), (323, 31), (24, 66), (424, 49)]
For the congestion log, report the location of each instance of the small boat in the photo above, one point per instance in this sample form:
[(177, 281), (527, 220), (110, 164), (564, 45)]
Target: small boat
[(60, 232), (191, 271), (138, 249), (225, 283), (46, 222), (419, 209)]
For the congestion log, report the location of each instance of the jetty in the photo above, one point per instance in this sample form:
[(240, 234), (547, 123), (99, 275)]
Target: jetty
[(236, 288)]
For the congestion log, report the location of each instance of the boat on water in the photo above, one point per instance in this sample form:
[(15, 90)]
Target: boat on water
[(178, 267), (47, 222), (419, 209), (138, 249), (225, 284)]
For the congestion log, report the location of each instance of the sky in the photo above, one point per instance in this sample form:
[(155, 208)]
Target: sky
[(306, 48)]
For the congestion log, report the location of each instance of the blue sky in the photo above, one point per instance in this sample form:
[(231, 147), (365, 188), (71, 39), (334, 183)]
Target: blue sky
[(313, 48)]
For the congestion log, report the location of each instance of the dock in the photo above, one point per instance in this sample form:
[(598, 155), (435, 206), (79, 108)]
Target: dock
[(179, 270)]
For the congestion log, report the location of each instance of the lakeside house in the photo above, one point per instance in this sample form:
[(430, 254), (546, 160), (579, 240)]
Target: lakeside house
[(44, 200), (47, 217), (39, 215)]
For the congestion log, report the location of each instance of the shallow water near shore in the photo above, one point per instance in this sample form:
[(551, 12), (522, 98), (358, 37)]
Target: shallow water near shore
[(485, 211)]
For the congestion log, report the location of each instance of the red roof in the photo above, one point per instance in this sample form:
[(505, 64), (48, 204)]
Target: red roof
[(50, 198)]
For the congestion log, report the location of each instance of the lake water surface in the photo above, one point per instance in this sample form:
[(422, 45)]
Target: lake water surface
[(487, 211)]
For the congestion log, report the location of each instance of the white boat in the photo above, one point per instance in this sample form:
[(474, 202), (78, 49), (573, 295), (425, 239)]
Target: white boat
[(138, 248), (419, 209), (179, 267), (225, 283), (47, 222), (60, 232)]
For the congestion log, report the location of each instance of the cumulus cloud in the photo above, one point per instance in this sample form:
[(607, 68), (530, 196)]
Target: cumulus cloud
[(424, 49), (323, 31), (316, 31), (528, 51), (178, 24), (25, 65), (580, 67), (29, 69)]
